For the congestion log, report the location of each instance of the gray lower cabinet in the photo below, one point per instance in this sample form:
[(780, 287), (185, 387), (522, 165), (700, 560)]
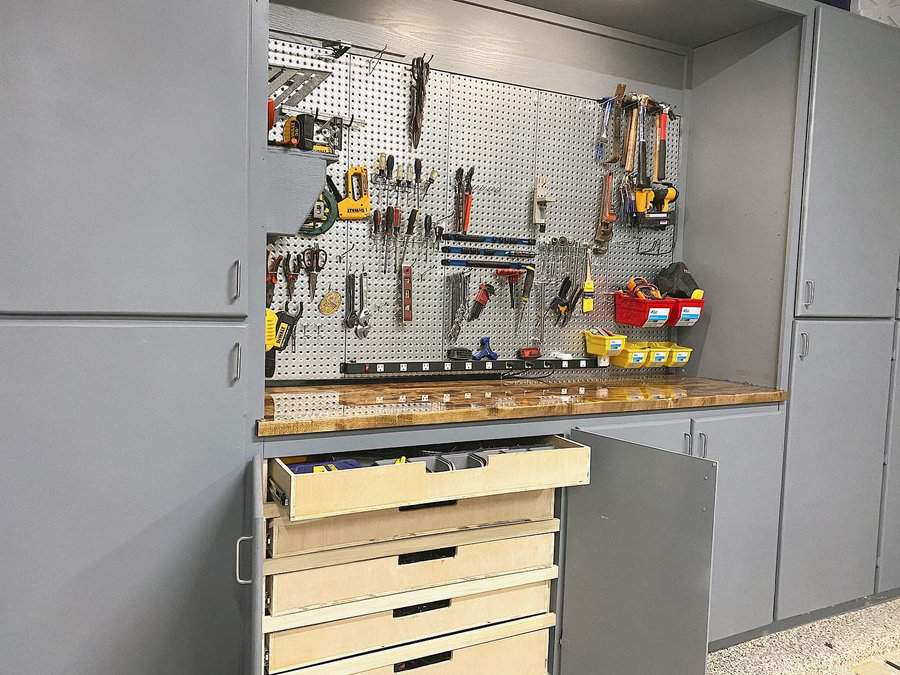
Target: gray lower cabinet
[(837, 415), (889, 549), (125, 195), (638, 546), (851, 155), (667, 433), (124, 485), (749, 449)]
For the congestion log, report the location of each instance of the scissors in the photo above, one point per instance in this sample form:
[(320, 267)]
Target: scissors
[(314, 259)]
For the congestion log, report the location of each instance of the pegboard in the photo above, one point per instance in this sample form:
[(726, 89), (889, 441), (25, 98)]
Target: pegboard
[(510, 135)]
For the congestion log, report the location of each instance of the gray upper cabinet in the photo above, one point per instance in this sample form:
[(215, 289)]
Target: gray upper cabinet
[(889, 550), (837, 416), (124, 485), (850, 246), (637, 559), (749, 449), (124, 130)]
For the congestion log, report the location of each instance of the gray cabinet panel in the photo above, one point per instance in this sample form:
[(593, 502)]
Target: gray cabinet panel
[(124, 484), (837, 416), (889, 551), (852, 151), (749, 450), (671, 434), (124, 132), (637, 562)]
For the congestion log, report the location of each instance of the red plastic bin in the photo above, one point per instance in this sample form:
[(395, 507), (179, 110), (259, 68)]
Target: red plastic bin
[(686, 313), (632, 311)]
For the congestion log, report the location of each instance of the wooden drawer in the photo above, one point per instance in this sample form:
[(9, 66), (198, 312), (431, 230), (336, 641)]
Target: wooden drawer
[(512, 648), (334, 493), (354, 529), (307, 588), (338, 639)]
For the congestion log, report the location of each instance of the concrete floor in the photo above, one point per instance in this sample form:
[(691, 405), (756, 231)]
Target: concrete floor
[(827, 647)]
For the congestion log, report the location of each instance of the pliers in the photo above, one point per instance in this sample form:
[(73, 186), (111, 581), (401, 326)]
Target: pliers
[(273, 262), (292, 266)]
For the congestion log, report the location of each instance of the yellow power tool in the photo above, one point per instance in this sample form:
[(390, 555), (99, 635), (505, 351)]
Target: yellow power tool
[(356, 204)]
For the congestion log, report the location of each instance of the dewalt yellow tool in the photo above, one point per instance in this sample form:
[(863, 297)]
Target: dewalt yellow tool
[(653, 205), (587, 297), (356, 204)]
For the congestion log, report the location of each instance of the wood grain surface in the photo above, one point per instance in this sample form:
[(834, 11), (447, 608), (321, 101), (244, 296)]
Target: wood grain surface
[(343, 407)]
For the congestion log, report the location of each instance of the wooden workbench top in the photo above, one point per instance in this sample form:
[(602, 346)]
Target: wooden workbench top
[(344, 407)]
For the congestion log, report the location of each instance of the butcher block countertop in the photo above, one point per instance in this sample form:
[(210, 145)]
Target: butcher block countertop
[(351, 406)]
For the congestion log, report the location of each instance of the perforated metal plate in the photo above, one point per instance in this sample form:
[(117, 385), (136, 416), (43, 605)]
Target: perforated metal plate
[(511, 135)]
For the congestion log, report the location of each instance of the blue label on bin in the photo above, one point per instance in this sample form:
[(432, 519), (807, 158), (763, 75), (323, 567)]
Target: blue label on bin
[(681, 356), (657, 316), (689, 316), (637, 357), (615, 345), (659, 357)]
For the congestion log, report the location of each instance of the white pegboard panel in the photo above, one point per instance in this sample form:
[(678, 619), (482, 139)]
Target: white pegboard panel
[(510, 135)]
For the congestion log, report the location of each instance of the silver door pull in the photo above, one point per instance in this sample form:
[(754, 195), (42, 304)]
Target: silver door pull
[(810, 292), (237, 561), (237, 280), (236, 374), (703, 442), (804, 345), (689, 444)]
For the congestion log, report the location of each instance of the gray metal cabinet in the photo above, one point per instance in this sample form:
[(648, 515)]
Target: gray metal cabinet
[(124, 488), (748, 449), (638, 544), (850, 241), (666, 434), (124, 131), (889, 546), (837, 414)]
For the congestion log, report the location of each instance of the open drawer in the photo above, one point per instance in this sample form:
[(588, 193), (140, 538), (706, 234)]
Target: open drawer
[(303, 589), (547, 462), (356, 529), (512, 648), (338, 639)]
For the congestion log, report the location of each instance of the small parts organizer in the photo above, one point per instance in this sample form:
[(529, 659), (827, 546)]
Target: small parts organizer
[(624, 353), (657, 312)]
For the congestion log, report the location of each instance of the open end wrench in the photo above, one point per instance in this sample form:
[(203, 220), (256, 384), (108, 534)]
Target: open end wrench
[(362, 326), (352, 318)]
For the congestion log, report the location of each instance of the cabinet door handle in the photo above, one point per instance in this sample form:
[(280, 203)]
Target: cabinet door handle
[(237, 280), (703, 442), (810, 293), (237, 561), (804, 345), (236, 373), (689, 445)]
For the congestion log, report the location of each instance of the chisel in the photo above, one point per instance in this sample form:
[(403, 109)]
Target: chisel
[(500, 253)]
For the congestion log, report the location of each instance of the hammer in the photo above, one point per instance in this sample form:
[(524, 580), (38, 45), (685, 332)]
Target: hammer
[(512, 278)]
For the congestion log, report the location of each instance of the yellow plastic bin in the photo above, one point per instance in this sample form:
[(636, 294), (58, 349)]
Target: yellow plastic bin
[(598, 344), (678, 355), (633, 355), (657, 353)]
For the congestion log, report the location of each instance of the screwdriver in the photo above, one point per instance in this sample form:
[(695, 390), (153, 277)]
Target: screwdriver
[(418, 174), (428, 225), (500, 253), (410, 231), (433, 176), (388, 224), (395, 226)]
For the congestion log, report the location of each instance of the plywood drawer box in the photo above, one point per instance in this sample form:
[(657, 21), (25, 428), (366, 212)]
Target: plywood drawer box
[(338, 639), (295, 591), (334, 493), (512, 648), (287, 538)]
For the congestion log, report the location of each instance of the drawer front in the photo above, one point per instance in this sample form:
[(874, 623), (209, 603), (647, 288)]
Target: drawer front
[(337, 639), (354, 529), (294, 591), (333, 493), (520, 655), (494, 649)]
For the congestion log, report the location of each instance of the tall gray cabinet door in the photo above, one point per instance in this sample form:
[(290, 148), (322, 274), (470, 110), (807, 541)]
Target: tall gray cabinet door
[(638, 543), (889, 549), (837, 414), (851, 214), (124, 130), (124, 485), (749, 450)]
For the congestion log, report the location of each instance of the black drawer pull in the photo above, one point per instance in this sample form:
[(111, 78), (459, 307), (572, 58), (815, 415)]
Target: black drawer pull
[(421, 609), (424, 556), (432, 505), (412, 664)]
